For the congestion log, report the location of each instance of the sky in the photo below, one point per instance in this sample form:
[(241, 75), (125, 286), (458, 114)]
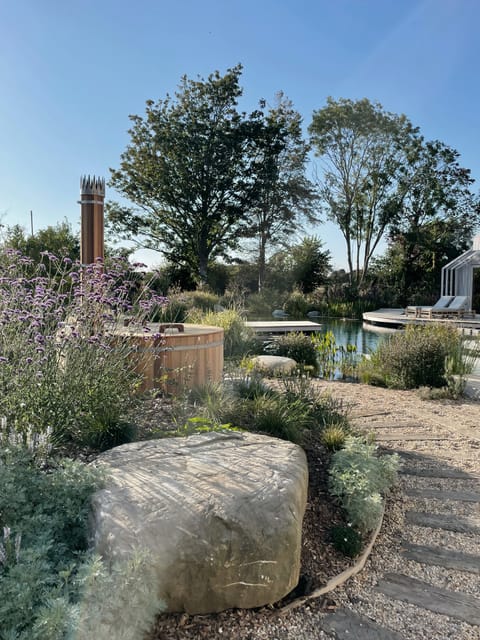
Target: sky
[(72, 72)]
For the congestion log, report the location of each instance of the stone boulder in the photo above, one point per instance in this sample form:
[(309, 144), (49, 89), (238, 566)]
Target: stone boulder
[(219, 514), (270, 365)]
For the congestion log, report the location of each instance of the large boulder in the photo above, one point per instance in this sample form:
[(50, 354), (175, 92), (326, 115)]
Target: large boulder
[(271, 365), (219, 514)]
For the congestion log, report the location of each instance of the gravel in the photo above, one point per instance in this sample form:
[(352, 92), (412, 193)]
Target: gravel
[(459, 424)]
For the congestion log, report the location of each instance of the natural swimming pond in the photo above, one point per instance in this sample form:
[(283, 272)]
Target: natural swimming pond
[(353, 332), (346, 332)]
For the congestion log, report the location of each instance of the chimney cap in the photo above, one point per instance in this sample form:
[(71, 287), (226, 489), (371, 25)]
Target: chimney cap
[(92, 185)]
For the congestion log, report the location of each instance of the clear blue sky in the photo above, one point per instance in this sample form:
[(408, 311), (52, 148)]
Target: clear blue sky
[(72, 72)]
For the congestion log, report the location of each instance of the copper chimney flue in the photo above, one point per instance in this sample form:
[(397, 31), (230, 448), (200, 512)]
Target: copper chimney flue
[(92, 195)]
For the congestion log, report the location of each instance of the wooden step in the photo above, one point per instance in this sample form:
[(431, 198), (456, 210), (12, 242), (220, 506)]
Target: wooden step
[(392, 425), (441, 557), (449, 603), (347, 625), (443, 521), (407, 437), (441, 472), (440, 494)]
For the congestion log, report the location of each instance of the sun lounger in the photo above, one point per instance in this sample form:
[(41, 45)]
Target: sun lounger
[(418, 312), (456, 309)]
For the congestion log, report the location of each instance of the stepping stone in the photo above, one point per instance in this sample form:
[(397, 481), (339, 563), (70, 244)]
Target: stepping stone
[(397, 425), (443, 521), (407, 437), (454, 474), (347, 625), (449, 603), (441, 557), (437, 494)]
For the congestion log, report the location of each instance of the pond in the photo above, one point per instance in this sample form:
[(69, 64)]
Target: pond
[(353, 332)]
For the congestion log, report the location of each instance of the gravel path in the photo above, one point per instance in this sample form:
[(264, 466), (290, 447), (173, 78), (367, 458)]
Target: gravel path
[(422, 580), (447, 604)]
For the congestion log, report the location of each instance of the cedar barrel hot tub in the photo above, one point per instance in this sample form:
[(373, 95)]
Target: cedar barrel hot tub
[(178, 356)]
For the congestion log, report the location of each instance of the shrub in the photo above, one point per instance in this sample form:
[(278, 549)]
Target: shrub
[(262, 304), (238, 338), (414, 358), (175, 311), (251, 386), (324, 410), (278, 417), (64, 368), (44, 514), (347, 540), (358, 477), (297, 346), (297, 304)]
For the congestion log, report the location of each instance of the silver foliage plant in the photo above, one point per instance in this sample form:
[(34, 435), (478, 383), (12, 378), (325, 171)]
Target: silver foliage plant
[(360, 478)]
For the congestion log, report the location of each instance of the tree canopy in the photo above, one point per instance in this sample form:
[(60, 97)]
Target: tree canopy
[(57, 239), (284, 196), (362, 149), (188, 171), (381, 178), (436, 218)]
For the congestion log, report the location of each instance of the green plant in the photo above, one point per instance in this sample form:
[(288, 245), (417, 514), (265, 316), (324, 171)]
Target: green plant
[(347, 540), (297, 346), (237, 338), (324, 410), (201, 424), (414, 358), (262, 304), (278, 417), (251, 386), (175, 311), (43, 514), (297, 304), (209, 398), (358, 477), (334, 436), (117, 601), (333, 358)]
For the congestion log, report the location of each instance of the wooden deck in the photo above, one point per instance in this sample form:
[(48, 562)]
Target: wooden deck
[(283, 326), (396, 319)]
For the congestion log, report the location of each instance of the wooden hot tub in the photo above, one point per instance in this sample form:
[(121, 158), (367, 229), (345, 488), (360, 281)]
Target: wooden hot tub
[(182, 356)]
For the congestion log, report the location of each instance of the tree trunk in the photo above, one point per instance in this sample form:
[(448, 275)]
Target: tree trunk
[(261, 261), (203, 255)]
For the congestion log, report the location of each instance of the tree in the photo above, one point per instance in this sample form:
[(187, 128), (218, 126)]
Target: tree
[(305, 265), (437, 217), (284, 195), (188, 173), (362, 148), (57, 239)]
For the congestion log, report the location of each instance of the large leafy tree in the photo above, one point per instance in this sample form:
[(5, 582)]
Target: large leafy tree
[(362, 150), (285, 197), (437, 215), (188, 172)]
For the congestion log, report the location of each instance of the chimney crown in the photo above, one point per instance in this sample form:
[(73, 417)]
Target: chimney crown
[(92, 186)]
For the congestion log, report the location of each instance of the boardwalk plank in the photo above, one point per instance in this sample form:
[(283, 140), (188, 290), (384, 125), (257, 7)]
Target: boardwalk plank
[(454, 474), (443, 521), (449, 603), (347, 625), (407, 437), (437, 494), (441, 557)]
